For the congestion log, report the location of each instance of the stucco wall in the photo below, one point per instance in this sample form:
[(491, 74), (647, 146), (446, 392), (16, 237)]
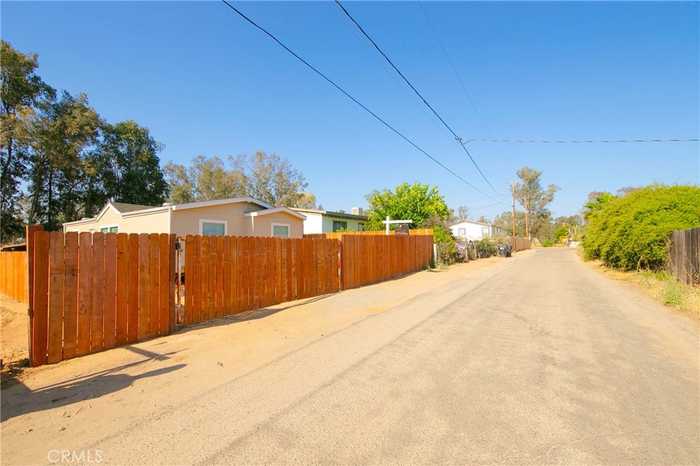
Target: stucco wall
[(154, 222), (472, 231), (261, 225), (186, 222), (313, 223), (111, 217)]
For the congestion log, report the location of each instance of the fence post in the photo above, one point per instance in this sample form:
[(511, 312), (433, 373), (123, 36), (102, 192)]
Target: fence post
[(29, 231)]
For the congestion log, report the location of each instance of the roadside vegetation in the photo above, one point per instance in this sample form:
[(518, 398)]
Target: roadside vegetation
[(631, 231), (627, 235)]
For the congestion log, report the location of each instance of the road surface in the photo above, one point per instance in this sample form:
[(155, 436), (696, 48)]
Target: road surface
[(533, 360)]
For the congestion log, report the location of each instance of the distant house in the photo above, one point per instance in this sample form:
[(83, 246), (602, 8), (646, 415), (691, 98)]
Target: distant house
[(241, 216), (326, 221), (471, 230)]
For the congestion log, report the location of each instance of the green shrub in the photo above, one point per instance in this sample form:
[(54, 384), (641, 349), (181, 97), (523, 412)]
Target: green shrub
[(631, 232), (485, 248)]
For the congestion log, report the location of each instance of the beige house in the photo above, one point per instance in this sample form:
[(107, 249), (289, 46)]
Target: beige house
[(242, 216)]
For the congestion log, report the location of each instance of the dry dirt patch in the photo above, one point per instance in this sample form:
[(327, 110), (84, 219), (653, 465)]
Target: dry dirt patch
[(14, 332)]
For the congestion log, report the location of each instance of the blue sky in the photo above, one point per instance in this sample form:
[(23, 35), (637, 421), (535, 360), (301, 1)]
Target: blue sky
[(205, 82)]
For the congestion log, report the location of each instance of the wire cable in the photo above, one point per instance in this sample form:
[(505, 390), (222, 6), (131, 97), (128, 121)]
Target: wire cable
[(349, 96), (580, 141), (459, 140)]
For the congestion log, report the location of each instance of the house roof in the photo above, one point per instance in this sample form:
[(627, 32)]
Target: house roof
[(331, 213), (123, 207), (474, 222), (285, 210), (131, 210), (233, 200)]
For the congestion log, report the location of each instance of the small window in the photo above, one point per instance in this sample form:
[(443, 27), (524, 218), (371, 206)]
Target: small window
[(462, 232), (339, 226), (109, 229), (280, 231), (360, 226), (213, 228)]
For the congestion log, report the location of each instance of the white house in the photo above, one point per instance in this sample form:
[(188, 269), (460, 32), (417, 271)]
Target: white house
[(326, 221), (472, 230)]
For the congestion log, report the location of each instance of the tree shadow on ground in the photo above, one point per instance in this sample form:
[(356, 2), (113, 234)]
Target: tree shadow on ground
[(18, 399)]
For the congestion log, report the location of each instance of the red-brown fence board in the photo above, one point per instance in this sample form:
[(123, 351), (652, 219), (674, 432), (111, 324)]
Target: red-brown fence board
[(88, 292), (13, 275), (70, 296), (109, 319), (244, 273), (40, 300), (56, 276), (122, 307), (370, 259)]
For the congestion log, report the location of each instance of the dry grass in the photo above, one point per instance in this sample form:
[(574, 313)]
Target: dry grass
[(661, 286)]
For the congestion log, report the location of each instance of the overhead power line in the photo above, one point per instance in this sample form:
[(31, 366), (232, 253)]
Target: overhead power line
[(579, 141), (459, 140), (349, 96)]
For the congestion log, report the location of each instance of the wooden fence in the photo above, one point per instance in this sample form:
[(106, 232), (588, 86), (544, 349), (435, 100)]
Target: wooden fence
[(520, 244), (373, 258), (13, 275), (93, 291), (684, 255), (226, 274)]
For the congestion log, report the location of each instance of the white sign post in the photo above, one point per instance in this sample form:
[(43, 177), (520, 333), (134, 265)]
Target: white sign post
[(389, 221)]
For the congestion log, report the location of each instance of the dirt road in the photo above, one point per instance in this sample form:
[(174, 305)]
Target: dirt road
[(533, 360)]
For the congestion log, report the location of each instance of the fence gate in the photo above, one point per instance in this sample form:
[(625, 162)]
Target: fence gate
[(93, 291)]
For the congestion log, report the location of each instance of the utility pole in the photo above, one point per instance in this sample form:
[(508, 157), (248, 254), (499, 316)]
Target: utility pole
[(512, 216)]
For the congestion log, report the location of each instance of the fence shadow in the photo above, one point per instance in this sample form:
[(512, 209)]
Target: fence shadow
[(18, 399), (255, 314)]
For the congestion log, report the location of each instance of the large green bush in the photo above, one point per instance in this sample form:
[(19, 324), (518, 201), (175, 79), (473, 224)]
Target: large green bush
[(631, 232)]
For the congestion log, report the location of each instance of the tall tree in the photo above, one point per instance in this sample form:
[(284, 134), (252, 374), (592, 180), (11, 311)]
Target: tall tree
[(62, 134), (266, 177), (21, 90), (273, 180), (124, 167), (205, 179), (531, 195)]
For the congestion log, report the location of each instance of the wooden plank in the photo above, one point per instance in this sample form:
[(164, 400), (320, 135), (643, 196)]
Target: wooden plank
[(70, 296), (132, 318), (228, 275), (84, 293), (98, 292), (153, 274), (40, 300), (195, 288), (189, 279), (172, 310), (109, 323), (164, 288), (56, 280), (219, 266), (122, 284), (144, 287)]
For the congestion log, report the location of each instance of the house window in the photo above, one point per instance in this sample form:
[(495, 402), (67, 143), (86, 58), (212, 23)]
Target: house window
[(212, 227), (109, 229), (360, 226), (340, 226), (462, 232), (280, 230)]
